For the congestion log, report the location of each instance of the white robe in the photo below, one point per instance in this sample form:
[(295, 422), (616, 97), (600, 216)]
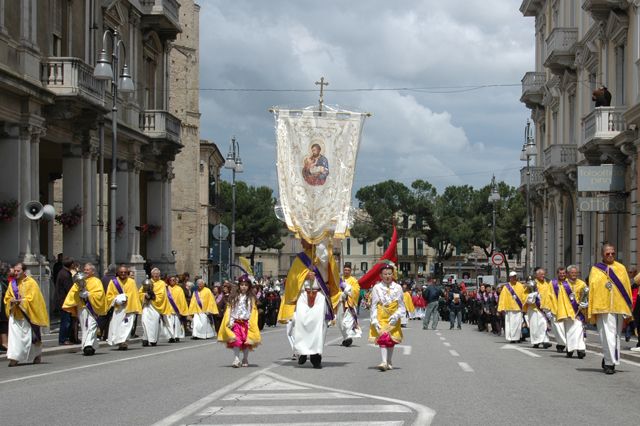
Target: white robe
[(202, 327), (151, 324), (89, 327), (609, 328), (310, 326), (20, 348), (537, 327), (347, 323), (558, 331), (512, 325), (574, 335), (175, 329), (120, 326)]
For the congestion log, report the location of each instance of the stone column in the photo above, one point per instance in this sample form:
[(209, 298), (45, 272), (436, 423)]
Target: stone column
[(73, 190), (136, 261), (122, 211), (159, 213)]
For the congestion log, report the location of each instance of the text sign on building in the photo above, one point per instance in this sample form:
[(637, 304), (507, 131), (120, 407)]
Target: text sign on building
[(606, 178), (601, 204)]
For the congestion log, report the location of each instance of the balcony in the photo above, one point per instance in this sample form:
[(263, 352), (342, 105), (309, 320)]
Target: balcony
[(161, 16), (532, 88), (603, 123), (157, 124), (559, 156), (536, 176), (560, 49), (72, 77), (531, 7), (599, 9)]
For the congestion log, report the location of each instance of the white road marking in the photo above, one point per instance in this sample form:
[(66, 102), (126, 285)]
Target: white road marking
[(270, 410), (465, 367), (454, 353), (442, 338), (286, 395), (264, 383), (523, 350), (386, 423), (626, 361), (447, 344), (438, 334)]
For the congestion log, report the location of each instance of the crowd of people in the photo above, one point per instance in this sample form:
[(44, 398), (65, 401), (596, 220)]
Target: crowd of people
[(313, 297)]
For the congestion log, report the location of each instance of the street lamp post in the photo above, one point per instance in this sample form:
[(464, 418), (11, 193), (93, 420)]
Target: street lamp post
[(494, 197), (120, 81), (234, 163), (528, 151)]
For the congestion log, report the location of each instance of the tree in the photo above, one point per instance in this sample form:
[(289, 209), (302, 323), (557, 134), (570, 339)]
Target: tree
[(256, 223)]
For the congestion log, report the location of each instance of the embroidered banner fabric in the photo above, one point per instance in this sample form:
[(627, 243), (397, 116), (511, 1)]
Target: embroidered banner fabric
[(316, 158)]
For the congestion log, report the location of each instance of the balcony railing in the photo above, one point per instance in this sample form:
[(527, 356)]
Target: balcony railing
[(603, 123), (158, 124), (560, 155), (536, 176), (72, 77), (162, 8), (560, 48), (532, 84)]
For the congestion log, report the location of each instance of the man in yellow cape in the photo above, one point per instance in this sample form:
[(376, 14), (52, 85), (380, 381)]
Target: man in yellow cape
[(154, 309), (312, 290), (536, 306), (178, 309), (551, 304), (122, 296), (569, 311), (347, 317), (609, 304), (27, 312), (87, 302), (202, 305), (511, 302), (408, 304)]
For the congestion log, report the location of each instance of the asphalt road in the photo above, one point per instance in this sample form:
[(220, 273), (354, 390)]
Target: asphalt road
[(440, 377)]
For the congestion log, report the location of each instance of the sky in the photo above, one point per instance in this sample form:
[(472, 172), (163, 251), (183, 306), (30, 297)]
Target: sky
[(441, 78)]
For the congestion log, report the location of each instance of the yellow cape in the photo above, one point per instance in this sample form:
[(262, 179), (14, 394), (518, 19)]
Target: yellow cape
[(383, 314), (603, 300), (209, 305), (179, 298), (543, 292), (160, 303), (226, 335), (73, 302), (408, 301), (32, 303), (295, 281), (130, 289), (506, 302), (354, 298), (565, 309)]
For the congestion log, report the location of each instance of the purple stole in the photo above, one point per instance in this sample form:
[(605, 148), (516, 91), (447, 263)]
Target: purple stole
[(87, 305), (198, 301), (35, 329), (172, 302), (323, 286), (514, 295), (555, 287), (572, 299), (616, 281)]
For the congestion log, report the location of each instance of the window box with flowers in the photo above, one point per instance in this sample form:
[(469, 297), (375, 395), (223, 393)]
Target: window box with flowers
[(149, 229), (70, 219), (8, 210)]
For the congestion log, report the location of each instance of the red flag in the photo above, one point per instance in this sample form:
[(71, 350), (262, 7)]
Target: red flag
[(369, 279)]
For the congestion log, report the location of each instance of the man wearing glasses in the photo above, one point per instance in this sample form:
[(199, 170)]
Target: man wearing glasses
[(609, 303)]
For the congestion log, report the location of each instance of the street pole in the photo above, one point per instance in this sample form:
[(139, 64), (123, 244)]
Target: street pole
[(528, 151), (234, 163), (494, 197), (220, 255), (527, 254)]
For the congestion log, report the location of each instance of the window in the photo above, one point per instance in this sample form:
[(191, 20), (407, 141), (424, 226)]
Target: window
[(420, 247), (364, 266), (348, 246), (405, 246), (364, 248), (405, 221), (405, 266)]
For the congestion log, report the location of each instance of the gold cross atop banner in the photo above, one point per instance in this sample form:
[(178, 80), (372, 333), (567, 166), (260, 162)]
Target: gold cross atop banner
[(321, 83)]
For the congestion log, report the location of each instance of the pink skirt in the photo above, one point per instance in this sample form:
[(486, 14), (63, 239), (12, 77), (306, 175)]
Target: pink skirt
[(241, 330), (385, 341)]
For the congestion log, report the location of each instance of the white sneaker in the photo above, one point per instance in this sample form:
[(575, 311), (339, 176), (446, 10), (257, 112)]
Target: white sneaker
[(236, 364), (383, 366), (389, 367)]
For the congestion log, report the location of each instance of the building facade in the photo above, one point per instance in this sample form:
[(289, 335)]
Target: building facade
[(582, 46), (57, 129)]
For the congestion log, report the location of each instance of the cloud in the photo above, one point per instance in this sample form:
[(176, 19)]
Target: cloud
[(449, 133)]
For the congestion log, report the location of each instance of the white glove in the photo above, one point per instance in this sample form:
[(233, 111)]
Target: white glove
[(84, 295), (393, 320), (584, 305), (531, 298), (120, 299)]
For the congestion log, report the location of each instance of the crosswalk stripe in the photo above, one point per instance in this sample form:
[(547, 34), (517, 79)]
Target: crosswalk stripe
[(466, 367), (287, 395), (454, 353), (303, 409), (270, 384), (386, 423)]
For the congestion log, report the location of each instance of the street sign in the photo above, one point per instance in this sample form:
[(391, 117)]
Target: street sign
[(497, 259), (220, 232), (603, 204), (605, 178)]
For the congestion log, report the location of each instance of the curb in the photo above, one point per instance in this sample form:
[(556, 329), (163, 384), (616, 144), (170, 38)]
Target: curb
[(71, 349)]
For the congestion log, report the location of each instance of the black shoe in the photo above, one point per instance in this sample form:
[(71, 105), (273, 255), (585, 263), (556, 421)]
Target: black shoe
[(513, 341), (145, 343), (302, 359), (609, 369), (195, 338), (347, 342), (88, 350), (560, 348), (154, 343), (569, 354), (451, 328), (177, 340), (546, 345), (581, 354), (537, 345), (316, 360), (604, 367), (627, 338), (172, 340)]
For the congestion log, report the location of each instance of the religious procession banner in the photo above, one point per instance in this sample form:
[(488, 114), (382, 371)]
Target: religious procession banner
[(316, 158)]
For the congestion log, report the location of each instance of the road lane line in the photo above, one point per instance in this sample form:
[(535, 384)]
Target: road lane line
[(271, 410), (454, 353), (385, 423), (286, 395), (465, 367), (442, 338), (447, 344), (523, 350)]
